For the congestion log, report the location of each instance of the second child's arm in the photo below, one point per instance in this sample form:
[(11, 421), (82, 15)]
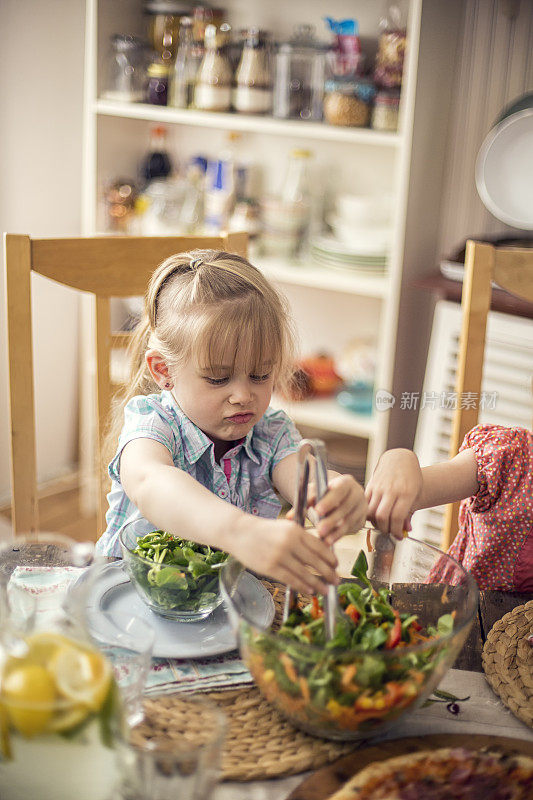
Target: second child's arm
[(399, 487), (174, 501)]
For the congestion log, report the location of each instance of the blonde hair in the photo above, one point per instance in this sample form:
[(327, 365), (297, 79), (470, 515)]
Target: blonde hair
[(202, 303)]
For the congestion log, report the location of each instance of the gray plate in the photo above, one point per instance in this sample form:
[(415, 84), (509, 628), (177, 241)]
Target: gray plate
[(113, 593)]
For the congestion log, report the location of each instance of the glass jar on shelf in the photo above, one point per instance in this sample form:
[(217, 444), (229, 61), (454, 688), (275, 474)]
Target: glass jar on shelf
[(157, 76), (299, 76), (385, 111), (213, 82), (253, 81), (164, 24), (124, 69), (348, 102)]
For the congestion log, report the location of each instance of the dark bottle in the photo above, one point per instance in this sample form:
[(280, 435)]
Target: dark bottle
[(156, 163)]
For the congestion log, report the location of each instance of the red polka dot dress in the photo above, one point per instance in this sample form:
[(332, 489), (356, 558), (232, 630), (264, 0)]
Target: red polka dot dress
[(495, 539)]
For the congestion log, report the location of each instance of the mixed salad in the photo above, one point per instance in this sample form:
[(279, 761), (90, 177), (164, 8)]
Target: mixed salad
[(329, 686), (184, 574)]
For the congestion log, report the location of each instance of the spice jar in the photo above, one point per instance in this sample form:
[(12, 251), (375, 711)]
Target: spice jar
[(348, 103), (157, 83), (253, 90), (213, 82), (385, 111)]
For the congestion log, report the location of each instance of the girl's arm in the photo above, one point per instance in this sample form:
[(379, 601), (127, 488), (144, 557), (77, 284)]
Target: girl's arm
[(343, 508), (399, 487), (174, 501)]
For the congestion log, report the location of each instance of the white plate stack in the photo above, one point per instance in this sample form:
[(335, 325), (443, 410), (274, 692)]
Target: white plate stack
[(361, 235)]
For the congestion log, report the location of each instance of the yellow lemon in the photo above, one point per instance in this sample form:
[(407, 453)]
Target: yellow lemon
[(29, 694), (40, 648), (82, 676), (67, 718)]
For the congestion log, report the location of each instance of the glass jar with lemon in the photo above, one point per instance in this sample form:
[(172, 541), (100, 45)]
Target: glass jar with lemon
[(61, 718)]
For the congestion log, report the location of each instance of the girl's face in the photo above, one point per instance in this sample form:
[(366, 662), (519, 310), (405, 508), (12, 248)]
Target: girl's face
[(225, 401)]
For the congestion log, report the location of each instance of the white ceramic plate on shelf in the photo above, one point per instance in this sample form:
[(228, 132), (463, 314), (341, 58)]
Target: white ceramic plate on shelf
[(113, 592), (504, 170)]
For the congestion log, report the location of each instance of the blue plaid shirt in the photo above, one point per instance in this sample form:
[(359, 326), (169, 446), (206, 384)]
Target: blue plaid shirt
[(243, 478)]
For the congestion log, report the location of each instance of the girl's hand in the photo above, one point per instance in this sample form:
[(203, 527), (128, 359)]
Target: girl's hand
[(392, 491), (343, 509), (286, 552)]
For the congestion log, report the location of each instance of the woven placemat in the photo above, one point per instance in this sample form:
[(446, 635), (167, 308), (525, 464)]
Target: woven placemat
[(508, 661), (259, 742)]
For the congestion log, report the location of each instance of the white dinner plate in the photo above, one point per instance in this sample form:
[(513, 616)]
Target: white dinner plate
[(504, 170), (112, 592)]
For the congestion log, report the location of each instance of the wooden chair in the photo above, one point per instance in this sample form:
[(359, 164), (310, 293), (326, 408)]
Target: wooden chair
[(104, 267), (512, 269)]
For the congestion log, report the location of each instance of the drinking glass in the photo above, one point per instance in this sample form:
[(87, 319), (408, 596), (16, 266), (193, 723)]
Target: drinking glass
[(165, 764)]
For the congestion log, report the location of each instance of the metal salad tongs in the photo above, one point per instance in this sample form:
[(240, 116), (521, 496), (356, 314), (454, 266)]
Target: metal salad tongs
[(317, 448)]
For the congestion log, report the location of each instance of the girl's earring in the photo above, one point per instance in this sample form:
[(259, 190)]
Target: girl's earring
[(168, 385)]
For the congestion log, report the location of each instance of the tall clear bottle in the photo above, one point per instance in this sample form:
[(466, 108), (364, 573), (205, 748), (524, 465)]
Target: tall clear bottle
[(185, 68), (297, 194)]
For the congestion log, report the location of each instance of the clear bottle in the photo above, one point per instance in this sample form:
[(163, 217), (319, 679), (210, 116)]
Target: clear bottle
[(219, 199), (253, 89), (157, 163), (192, 211), (185, 68), (213, 82), (297, 195)]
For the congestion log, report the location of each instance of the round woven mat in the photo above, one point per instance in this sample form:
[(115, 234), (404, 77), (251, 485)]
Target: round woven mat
[(508, 661), (259, 742)]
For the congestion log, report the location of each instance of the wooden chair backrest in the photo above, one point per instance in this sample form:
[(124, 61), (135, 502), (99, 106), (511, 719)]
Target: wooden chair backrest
[(105, 267), (512, 269)]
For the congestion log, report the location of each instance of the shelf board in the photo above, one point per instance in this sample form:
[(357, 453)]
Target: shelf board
[(327, 415), (247, 122), (298, 273)]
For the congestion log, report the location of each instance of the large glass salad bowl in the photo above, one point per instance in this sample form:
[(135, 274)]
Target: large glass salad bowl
[(406, 610)]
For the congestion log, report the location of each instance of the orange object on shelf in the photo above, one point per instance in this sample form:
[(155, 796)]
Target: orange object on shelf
[(322, 374)]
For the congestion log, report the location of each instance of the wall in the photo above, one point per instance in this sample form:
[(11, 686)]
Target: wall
[(41, 79)]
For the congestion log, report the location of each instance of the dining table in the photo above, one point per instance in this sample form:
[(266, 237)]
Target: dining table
[(482, 713), (478, 709)]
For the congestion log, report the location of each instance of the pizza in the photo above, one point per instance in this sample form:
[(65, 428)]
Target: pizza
[(444, 774)]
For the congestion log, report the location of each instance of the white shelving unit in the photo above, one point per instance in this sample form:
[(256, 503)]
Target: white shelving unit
[(331, 308)]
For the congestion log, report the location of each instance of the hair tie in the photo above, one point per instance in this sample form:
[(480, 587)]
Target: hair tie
[(195, 263)]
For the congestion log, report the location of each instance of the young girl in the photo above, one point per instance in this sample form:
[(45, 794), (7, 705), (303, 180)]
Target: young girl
[(494, 471), (200, 452)]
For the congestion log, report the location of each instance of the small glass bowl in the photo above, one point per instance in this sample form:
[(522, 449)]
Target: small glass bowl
[(161, 595), (355, 693)]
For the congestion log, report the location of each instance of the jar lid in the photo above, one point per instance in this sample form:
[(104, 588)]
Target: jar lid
[(170, 7), (158, 70), (362, 88), (125, 41), (300, 152), (303, 40), (391, 99)]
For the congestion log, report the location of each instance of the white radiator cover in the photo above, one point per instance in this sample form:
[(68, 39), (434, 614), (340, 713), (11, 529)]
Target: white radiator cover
[(508, 370)]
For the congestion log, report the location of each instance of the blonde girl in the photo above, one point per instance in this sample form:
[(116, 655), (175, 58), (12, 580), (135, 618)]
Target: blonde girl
[(200, 453)]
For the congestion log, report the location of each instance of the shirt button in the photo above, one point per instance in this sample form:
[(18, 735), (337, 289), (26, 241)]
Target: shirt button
[(254, 510), (222, 493)]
